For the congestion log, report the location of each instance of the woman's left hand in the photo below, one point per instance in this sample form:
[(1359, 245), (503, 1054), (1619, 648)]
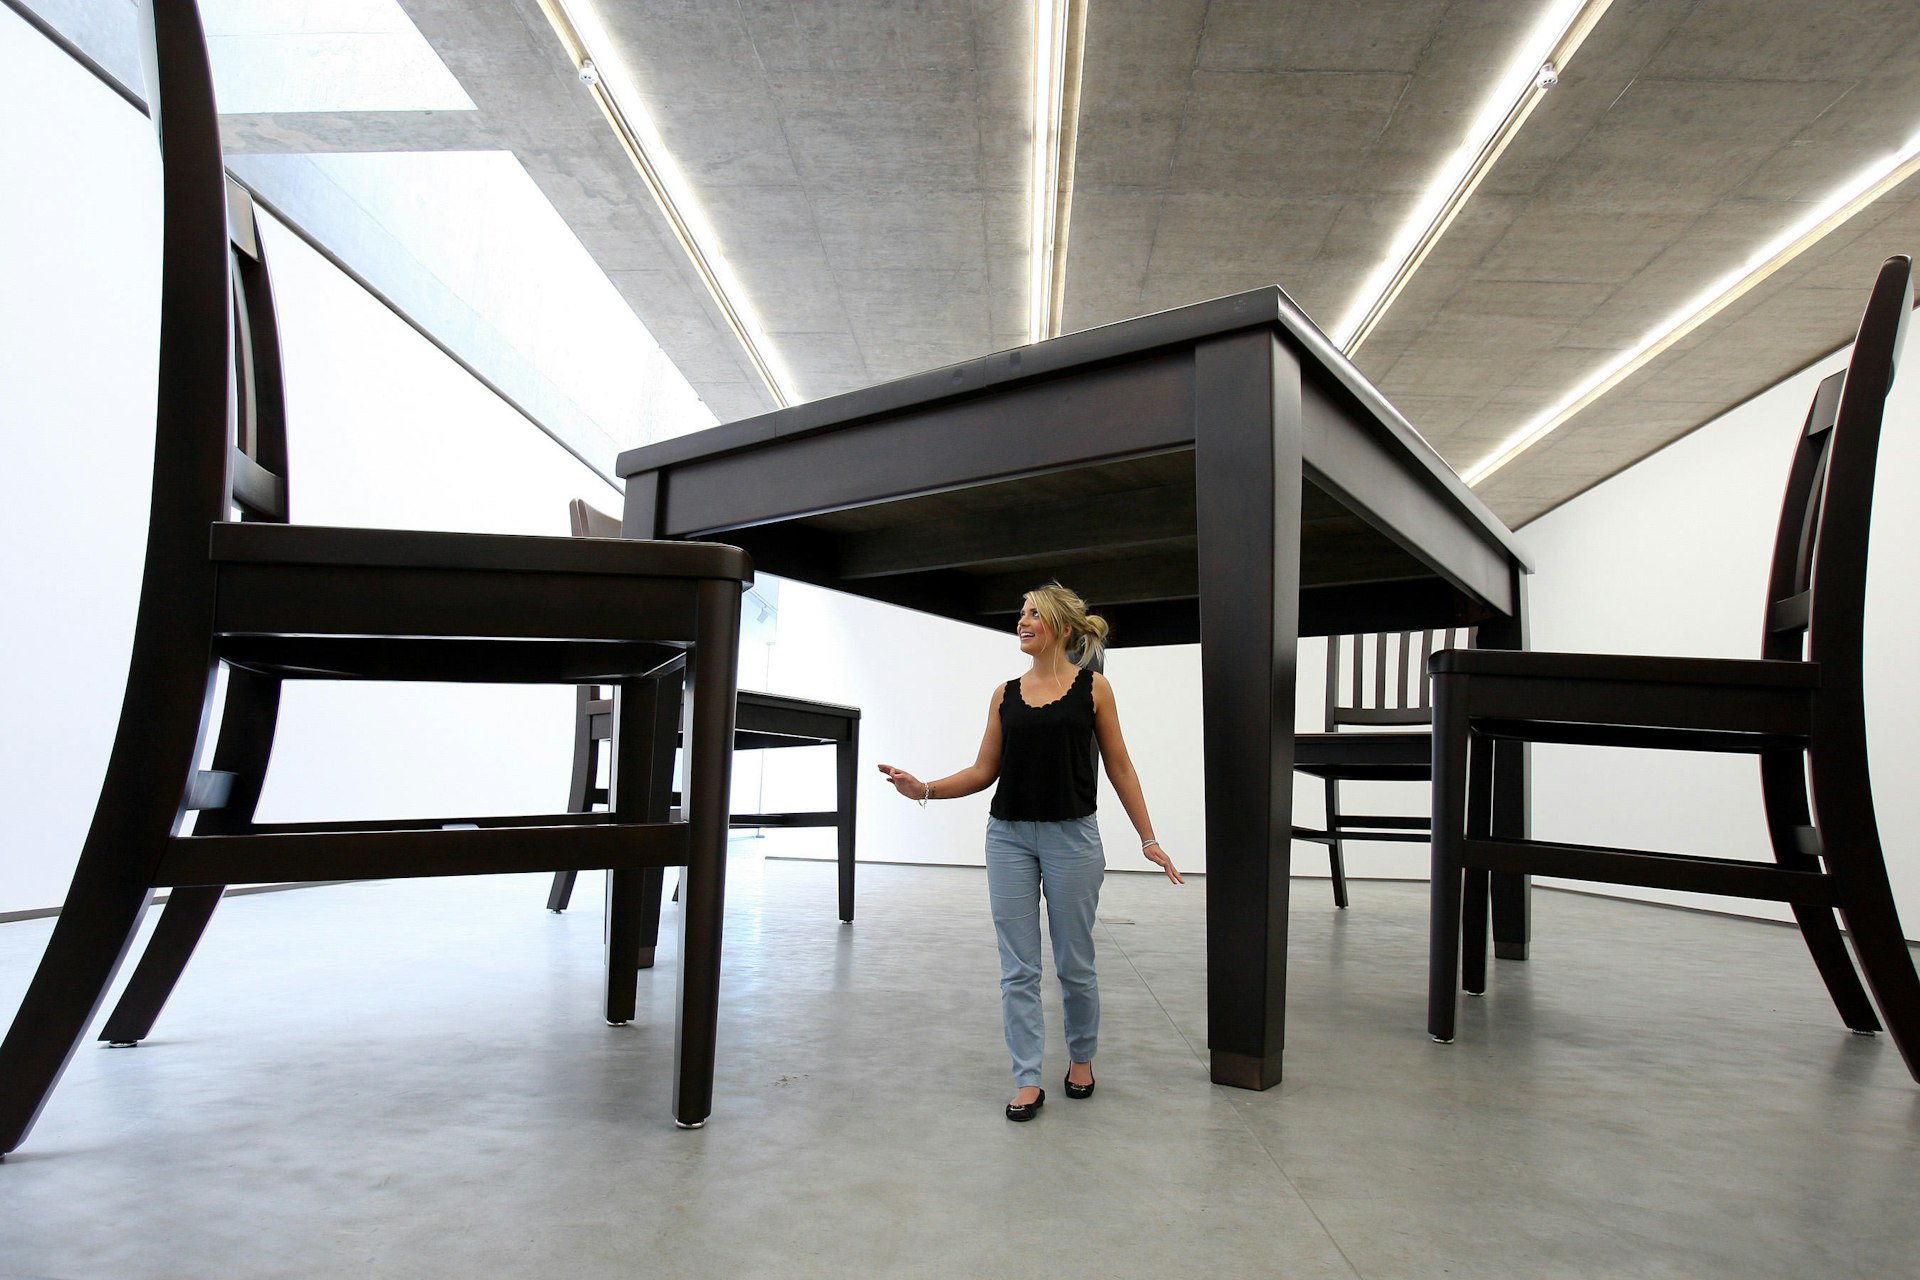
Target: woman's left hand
[(1158, 857)]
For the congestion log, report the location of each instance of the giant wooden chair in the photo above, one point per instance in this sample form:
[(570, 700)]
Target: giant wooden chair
[(1376, 730), (274, 601), (1798, 708)]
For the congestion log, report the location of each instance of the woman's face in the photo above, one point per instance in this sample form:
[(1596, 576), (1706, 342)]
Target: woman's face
[(1035, 635)]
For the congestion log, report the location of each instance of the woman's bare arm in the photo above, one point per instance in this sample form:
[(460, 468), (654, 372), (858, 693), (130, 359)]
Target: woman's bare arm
[(976, 777)]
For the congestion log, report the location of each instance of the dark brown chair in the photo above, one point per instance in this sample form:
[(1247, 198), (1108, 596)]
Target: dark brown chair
[(275, 601), (762, 722), (1376, 710), (1798, 709)]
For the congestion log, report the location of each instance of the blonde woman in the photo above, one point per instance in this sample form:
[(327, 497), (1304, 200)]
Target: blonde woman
[(1042, 836)]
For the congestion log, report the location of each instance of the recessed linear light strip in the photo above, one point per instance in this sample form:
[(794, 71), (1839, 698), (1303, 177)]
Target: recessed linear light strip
[(1066, 152), (1059, 29), (1863, 190), (588, 45), (1535, 69)]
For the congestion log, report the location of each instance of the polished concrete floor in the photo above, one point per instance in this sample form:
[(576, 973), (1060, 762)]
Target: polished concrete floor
[(412, 1079)]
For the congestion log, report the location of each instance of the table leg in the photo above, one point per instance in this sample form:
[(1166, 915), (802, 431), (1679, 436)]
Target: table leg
[(1247, 478), (1512, 798), (846, 793)]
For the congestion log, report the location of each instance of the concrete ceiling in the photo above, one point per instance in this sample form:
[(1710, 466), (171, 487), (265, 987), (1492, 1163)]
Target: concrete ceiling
[(864, 162)]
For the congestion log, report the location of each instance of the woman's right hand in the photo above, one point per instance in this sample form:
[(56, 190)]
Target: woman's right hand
[(905, 783)]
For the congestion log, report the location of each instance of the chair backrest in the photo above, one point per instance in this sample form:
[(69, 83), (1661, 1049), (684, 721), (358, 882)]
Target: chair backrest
[(220, 434), (1816, 590), (591, 522), (1382, 679), (206, 448)]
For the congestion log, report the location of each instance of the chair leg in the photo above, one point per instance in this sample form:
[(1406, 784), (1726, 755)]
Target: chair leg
[(1858, 867), (182, 922), (846, 761), (586, 765), (1874, 922), (703, 905), (1483, 815), (1856, 863), (626, 900), (646, 724), (1508, 784), (91, 938), (154, 752), (244, 748), (1336, 847), (1473, 931), (1449, 826), (1828, 946), (1783, 788), (652, 880)]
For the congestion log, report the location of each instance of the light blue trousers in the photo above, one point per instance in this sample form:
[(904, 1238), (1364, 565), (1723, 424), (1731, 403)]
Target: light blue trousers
[(1064, 860)]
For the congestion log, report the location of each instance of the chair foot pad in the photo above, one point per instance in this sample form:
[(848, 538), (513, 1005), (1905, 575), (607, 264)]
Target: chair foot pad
[(1438, 1040), (624, 1022), (123, 1044), (697, 1124)]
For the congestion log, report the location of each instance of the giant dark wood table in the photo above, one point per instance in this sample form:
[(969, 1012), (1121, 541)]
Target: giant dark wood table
[(1218, 473)]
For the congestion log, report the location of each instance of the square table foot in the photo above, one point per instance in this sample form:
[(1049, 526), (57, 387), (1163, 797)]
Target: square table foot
[(1244, 1070)]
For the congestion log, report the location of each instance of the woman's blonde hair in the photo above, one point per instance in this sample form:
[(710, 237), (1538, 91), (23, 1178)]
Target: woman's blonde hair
[(1067, 614)]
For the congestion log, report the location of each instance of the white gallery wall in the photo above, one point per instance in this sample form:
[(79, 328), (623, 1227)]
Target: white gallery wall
[(80, 257)]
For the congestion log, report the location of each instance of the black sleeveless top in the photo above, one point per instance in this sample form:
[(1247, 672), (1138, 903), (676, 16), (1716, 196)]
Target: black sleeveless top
[(1046, 755)]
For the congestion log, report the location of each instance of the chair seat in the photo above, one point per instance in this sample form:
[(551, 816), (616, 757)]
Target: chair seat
[(435, 658), (1634, 668), (265, 542), (453, 597), (1621, 700), (1359, 757)]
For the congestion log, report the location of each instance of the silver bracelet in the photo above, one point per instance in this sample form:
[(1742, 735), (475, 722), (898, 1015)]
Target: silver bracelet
[(1147, 844), (926, 795)]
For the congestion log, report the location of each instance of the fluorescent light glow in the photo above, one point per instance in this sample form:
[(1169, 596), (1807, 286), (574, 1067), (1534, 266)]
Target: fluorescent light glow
[(1865, 188), (1057, 45), (601, 70), (1067, 152), (1536, 67)]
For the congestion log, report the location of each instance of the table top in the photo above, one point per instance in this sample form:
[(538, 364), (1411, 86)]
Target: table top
[(956, 490)]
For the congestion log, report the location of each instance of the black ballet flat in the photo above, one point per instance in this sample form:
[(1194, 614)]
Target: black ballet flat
[(1026, 1111), (1080, 1090)]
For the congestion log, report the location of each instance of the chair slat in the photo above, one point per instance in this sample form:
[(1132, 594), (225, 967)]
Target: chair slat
[(256, 490)]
